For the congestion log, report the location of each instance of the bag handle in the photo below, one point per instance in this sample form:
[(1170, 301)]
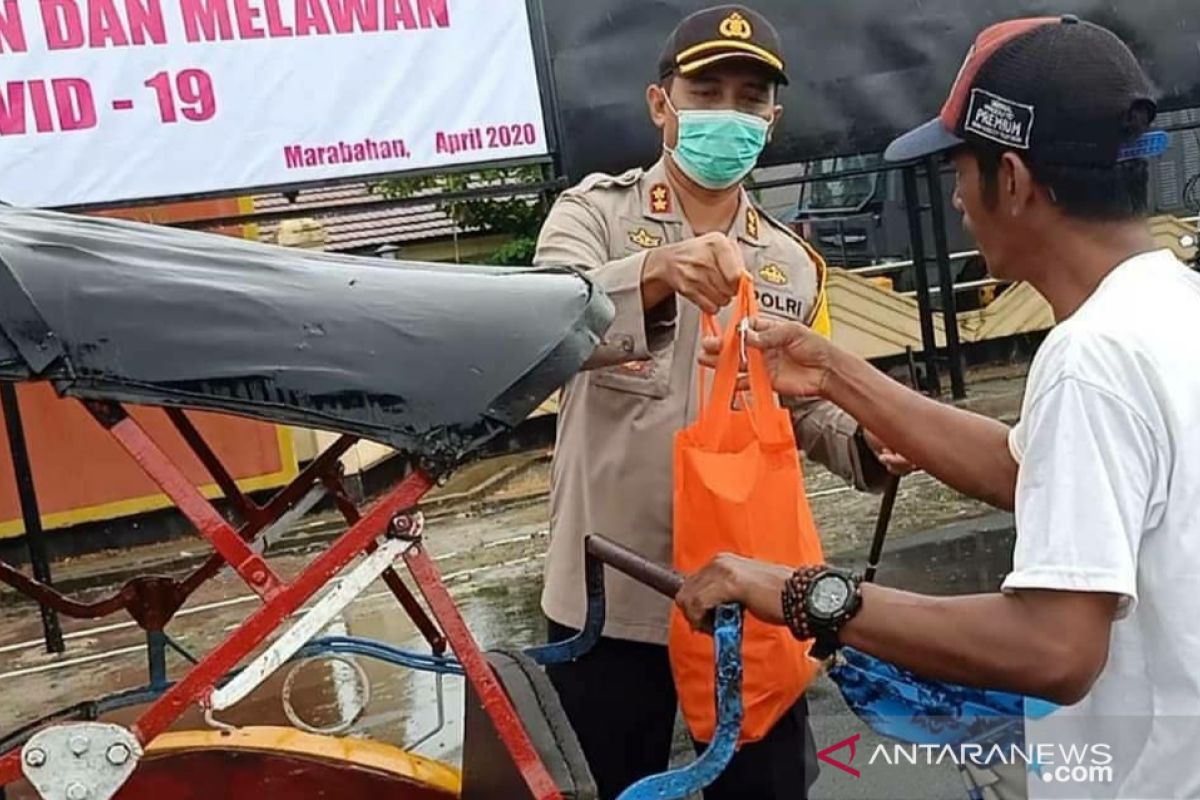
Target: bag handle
[(729, 361), (709, 327)]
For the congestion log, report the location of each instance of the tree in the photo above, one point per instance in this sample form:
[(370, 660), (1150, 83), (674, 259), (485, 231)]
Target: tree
[(520, 217)]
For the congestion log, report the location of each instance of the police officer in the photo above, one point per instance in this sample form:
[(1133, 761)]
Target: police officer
[(666, 244)]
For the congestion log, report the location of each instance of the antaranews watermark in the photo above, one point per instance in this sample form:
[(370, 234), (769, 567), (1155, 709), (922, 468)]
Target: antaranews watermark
[(1074, 763), (1080, 773)]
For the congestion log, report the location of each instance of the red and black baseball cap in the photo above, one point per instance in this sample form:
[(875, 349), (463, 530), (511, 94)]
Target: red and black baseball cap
[(718, 34), (1058, 89)]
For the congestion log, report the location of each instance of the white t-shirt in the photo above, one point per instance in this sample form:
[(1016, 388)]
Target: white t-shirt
[(1108, 500)]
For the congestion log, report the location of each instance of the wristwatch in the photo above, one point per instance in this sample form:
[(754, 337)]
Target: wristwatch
[(817, 603)]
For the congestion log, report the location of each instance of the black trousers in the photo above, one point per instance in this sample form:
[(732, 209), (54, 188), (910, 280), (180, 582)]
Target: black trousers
[(621, 701)]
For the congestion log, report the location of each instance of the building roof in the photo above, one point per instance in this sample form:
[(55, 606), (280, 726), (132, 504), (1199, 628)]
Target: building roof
[(349, 229)]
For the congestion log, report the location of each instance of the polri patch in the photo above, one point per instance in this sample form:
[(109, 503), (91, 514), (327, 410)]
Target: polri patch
[(643, 238), (999, 119)]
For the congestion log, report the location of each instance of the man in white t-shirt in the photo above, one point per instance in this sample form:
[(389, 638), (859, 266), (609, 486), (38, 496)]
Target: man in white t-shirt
[(1047, 128)]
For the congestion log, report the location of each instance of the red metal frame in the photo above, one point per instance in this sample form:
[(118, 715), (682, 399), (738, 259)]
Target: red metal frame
[(390, 577), (250, 512), (280, 599), (198, 684), (279, 504), (200, 680), (130, 595), (491, 693), (212, 526)]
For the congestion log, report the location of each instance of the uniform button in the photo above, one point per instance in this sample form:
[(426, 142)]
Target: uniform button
[(627, 344)]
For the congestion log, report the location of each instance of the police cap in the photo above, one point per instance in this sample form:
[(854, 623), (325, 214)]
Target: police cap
[(718, 34)]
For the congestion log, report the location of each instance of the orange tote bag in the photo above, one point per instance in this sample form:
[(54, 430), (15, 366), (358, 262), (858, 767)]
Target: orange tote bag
[(739, 488)]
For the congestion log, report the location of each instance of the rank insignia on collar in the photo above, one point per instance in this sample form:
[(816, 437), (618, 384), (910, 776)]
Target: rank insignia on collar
[(771, 273), (752, 223), (660, 199), (643, 238)]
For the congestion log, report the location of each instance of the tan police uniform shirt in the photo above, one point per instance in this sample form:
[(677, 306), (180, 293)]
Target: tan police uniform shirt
[(611, 471)]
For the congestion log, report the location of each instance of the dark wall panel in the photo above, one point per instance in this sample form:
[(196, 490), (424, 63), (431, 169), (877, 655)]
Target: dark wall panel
[(862, 70)]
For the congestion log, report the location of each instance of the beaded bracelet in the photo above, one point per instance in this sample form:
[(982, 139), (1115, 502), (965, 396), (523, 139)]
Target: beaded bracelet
[(793, 601)]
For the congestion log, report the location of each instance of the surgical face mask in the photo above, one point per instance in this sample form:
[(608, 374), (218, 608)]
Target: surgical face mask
[(717, 149)]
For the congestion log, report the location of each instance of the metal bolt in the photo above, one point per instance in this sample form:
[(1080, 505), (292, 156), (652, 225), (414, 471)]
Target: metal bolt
[(258, 576), (77, 791), (35, 757), (79, 745), (118, 754)]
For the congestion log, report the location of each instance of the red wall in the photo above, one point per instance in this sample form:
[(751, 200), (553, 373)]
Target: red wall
[(81, 474)]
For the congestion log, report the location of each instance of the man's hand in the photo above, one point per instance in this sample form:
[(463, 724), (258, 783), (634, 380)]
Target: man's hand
[(892, 461), (756, 585), (706, 270), (797, 358)]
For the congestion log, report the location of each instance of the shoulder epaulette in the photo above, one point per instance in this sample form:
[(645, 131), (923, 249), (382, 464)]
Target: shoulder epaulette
[(602, 180)]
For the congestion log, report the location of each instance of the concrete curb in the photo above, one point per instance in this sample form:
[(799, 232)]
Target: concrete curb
[(967, 556), (513, 470)]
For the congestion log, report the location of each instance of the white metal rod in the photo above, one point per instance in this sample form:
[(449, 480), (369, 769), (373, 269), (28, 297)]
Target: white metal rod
[(308, 626)]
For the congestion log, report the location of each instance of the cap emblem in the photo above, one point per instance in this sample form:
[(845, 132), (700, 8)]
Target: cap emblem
[(735, 26), (999, 119)]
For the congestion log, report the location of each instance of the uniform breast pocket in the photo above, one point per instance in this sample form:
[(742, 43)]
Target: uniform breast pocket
[(651, 378)]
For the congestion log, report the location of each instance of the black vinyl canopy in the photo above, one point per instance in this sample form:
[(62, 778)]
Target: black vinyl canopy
[(428, 358)]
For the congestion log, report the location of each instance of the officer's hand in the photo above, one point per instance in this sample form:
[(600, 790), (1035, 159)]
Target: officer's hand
[(705, 270)]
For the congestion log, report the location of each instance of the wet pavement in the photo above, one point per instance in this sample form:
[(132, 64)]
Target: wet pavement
[(492, 562), (500, 603)]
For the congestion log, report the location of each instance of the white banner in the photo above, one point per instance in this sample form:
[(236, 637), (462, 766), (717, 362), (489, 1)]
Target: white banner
[(119, 100)]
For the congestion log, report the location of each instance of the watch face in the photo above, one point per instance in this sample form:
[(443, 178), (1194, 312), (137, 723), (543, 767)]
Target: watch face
[(829, 595)]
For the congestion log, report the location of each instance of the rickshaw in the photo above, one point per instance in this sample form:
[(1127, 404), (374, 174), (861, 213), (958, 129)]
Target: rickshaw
[(439, 362)]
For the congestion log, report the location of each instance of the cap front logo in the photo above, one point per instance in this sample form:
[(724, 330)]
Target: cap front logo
[(999, 119), (735, 26)]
